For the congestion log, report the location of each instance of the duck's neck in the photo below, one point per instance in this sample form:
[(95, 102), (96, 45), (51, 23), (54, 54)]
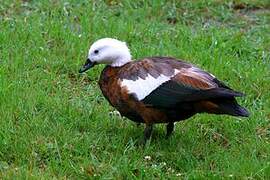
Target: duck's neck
[(122, 61), (109, 72)]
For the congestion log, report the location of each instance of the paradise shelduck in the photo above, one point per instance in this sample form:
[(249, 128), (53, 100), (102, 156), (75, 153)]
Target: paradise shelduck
[(158, 89)]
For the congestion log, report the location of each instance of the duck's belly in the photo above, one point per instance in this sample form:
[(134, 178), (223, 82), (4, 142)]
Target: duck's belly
[(155, 115), (138, 112), (133, 116)]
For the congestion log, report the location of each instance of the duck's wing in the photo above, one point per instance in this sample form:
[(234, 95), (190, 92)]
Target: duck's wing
[(165, 82)]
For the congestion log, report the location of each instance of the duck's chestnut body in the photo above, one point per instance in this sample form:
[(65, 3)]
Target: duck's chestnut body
[(187, 91)]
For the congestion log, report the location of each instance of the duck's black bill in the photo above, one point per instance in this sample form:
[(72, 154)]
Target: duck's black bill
[(88, 64)]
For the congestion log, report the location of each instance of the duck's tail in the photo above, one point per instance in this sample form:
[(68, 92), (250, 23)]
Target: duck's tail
[(222, 106), (231, 107)]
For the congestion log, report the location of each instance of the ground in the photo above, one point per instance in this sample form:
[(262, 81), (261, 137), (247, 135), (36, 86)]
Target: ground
[(56, 123)]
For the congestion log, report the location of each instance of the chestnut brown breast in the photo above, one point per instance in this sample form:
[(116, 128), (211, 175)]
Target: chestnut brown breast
[(125, 103)]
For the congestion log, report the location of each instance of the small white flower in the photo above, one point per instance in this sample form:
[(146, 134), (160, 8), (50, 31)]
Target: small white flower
[(114, 113), (170, 170), (147, 158)]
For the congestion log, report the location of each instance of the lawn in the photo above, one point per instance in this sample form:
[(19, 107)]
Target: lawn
[(54, 122)]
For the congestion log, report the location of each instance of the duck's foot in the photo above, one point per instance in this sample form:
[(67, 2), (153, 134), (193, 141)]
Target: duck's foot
[(170, 128)]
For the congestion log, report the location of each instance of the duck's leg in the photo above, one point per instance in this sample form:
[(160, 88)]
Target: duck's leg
[(169, 127), (147, 132)]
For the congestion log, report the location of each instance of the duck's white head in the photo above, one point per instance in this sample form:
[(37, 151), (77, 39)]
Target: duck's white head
[(107, 51)]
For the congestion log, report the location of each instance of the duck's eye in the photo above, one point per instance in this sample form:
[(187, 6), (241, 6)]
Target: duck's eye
[(96, 51)]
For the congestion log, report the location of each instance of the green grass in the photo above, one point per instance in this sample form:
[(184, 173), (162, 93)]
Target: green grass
[(55, 122)]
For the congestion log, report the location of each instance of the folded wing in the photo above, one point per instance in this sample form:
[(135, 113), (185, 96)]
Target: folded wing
[(165, 82)]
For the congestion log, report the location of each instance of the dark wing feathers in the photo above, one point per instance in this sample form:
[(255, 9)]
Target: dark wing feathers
[(171, 93), (190, 84), (168, 94)]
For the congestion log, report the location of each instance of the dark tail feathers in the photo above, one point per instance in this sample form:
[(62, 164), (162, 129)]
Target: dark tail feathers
[(240, 111), (232, 108)]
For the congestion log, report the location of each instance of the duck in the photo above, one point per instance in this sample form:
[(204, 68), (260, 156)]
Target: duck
[(158, 89)]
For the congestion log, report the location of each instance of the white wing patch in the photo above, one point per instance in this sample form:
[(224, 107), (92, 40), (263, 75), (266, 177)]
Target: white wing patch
[(143, 87)]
